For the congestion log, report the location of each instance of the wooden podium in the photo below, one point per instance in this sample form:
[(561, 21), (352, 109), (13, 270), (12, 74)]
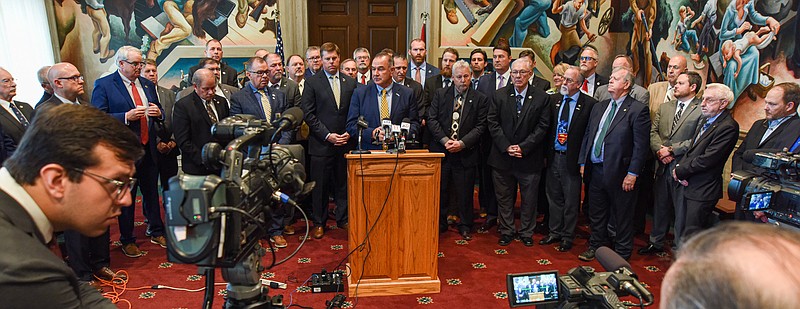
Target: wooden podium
[(405, 239)]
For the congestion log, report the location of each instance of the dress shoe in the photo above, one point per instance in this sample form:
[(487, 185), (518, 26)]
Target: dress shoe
[(650, 249), (451, 220), (587, 255), (131, 250), (527, 241), (318, 232), (343, 226), (548, 240), (564, 246), (278, 241), (487, 225), (107, 274), (466, 235), (159, 240), (505, 240), (289, 230)]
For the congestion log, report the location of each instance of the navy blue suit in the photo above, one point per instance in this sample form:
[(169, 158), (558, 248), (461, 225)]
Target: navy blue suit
[(625, 149), (430, 70), (245, 101), (111, 96), (365, 102)]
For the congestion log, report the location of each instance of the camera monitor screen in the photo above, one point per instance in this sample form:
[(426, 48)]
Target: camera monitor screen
[(532, 289), (758, 201)]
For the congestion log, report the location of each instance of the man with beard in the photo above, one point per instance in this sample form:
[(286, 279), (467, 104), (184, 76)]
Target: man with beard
[(588, 64), (569, 111), (419, 69), (361, 57), (662, 92)]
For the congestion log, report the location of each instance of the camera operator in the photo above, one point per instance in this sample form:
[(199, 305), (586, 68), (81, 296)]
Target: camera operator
[(779, 129), (735, 265), (73, 170)]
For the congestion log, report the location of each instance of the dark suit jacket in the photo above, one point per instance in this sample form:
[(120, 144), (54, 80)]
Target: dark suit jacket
[(11, 125), (365, 103), (430, 70), (783, 137), (111, 96), (7, 146), (702, 165), (45, 95), (626, 145), (487, 84), (577, 128), (167, 99), (292, 92), (431, 85), (528, 130), (538, 82), (34, 277), (323, 116), (308, 73), (472, 123), (227, 91), (229, 75), (192, 128), (244, 101), (419, 94)]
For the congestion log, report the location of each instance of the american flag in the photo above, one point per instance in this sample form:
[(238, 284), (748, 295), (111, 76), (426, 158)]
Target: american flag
[(278, 37)]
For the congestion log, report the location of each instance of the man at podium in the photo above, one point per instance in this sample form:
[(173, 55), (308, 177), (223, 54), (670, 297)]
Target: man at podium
[(381, 99)]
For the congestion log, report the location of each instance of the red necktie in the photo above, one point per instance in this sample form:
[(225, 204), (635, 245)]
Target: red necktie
[(142, 121), (363, 79), (585, 87)]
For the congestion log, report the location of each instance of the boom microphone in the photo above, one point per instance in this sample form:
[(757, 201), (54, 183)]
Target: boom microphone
[(291, 119)]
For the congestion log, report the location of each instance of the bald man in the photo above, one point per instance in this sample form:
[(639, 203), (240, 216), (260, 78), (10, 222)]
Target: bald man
[(67, 85), (662, 92)]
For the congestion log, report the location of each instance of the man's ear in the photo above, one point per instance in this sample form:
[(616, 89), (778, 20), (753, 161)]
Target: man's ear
[(54, 179)]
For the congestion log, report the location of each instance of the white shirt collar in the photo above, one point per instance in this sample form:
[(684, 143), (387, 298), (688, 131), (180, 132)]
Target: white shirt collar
[(18, 193), (64, 100)]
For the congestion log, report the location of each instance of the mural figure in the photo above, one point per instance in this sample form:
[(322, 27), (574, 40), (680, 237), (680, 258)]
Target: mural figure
[(645, 12), (733, 49), (535, 13), (573, 14), (685, 39), (734, 26), (706, 38), (185, 18), (101, 34)]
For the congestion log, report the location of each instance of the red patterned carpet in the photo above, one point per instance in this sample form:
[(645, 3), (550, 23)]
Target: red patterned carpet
[(472, 273)]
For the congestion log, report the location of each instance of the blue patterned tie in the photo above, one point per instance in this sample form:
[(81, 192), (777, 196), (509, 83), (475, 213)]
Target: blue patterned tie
[(519, 103), (18, 114)]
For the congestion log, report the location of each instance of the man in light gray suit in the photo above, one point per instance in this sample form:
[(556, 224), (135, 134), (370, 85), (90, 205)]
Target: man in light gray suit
[(670, 137), (637, 92), (223, 90)]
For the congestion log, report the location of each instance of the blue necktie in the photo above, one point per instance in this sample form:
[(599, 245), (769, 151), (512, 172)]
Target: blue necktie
[(796, 145), (22, 120), (519, 103)]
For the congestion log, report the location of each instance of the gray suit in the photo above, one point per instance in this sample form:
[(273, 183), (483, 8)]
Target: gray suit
[(667, 192), (32, 276), (292, 92), (639, 93), (228, 90)]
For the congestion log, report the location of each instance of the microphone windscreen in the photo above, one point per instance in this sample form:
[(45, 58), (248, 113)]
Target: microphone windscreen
[(610, 260), (295, 115)]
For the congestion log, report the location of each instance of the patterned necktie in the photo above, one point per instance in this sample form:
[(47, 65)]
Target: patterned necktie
[(143, 133), (335, 88), (677, 116), (210, 112), (702, 130), (519, 104), (670, 94), (598, 145), (418, 75), (22, 120), (502, 83), (446, 82), (384, 105), (265, 105), (459, 102)]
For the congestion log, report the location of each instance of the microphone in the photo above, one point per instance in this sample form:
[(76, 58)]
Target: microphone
[(291, 119), (624, 276), (386, 123), (361, 124), (405, 126)]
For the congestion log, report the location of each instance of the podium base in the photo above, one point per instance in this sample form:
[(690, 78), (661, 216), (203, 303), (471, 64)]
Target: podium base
[(389, 287)]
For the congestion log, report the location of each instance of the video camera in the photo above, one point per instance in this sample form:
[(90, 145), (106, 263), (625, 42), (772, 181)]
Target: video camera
[(581, 287), (772, 187), (218, 221)]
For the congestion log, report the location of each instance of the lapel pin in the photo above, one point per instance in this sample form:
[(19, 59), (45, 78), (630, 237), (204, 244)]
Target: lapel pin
[(624, 109), (530, 97)]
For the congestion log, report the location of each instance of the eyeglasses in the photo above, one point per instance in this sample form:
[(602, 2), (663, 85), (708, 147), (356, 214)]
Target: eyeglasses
[(75, 78), (8, 80), (122, 186), (569, 81), (259, 72), (585, 58), (314, 58), (521, 72), (136, 64)]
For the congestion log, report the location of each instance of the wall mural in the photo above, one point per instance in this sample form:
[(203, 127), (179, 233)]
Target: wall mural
[(749, 45), (90, 31)]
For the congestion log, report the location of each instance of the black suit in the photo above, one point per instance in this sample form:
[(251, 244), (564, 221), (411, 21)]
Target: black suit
[(192, 128), (34, 277), (328, 166), (563, 172), (167, 162), (527, 129), (600, 80), (419, 94), (486, 197), (228, 76), (458, 169), (540, 83), (11, 124), (702, 167), (624, 151)]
